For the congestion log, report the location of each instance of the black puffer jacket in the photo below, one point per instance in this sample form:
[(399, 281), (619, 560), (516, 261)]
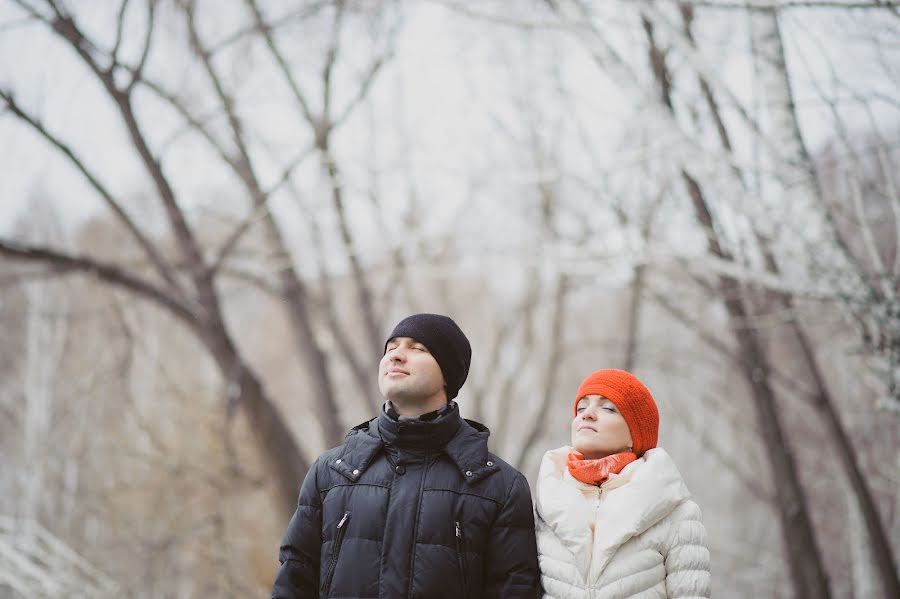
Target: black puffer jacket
[(411, 510)]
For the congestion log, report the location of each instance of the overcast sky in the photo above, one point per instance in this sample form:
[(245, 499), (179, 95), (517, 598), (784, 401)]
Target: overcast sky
[(437, 80)]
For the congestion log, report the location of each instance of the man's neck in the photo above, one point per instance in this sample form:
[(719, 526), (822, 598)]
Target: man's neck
[(406, 410)]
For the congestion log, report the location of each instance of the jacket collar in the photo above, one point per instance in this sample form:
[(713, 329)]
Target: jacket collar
[(359, 448), (463, 441), (469, 451), (646, 491), (426, 433)]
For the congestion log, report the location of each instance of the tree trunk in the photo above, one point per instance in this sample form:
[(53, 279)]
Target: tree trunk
[(767, 36), (553, 358), (797, 173), (862, 563), (807, 570), (806, 567), (285, 460), (634, 317), (295, 297), (881, 551)]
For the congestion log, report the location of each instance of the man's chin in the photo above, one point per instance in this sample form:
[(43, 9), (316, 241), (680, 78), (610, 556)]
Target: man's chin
[(396, 392), (390, 389)]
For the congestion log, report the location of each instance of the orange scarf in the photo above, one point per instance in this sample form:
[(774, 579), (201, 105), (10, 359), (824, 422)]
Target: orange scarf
[(596, 472)]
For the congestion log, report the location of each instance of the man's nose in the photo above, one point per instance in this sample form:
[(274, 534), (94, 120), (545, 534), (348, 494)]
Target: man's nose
[(396, 354)]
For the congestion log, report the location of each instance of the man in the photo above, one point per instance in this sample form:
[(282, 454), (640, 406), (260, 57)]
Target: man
[(412, 505)]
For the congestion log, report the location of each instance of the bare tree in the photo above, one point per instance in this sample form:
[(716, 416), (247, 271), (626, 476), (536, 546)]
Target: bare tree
[(204, 269), (766, 31), (578, 184), (193, 297)]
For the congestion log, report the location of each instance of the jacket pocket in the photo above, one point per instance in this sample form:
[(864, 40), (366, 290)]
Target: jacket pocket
[(461, 558), (336, 550)]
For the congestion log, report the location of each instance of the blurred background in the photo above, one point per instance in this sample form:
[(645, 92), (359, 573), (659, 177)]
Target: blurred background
[(213, 211)]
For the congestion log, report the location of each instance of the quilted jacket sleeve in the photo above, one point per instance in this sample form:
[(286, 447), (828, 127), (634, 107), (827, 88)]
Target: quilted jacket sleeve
[(687, 557), (298, 577), (511, 567)]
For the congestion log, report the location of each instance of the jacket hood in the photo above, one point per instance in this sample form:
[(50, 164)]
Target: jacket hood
[(645, 492)]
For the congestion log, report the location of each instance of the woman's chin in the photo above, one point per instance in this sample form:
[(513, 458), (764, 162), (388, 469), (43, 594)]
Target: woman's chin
[(592, 452)]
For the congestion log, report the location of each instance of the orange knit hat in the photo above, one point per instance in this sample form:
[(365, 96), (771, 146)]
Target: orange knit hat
[(631, 398)]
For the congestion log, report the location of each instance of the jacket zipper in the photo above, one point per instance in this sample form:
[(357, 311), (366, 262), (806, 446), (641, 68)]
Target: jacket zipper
[(415, 530), (339, 539), (461, 559)]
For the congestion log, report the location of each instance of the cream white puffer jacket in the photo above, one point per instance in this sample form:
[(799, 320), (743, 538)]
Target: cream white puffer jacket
[(649, 540)]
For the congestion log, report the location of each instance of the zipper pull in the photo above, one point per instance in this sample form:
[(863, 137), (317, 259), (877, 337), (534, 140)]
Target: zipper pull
[(458, 531), (343, 520)]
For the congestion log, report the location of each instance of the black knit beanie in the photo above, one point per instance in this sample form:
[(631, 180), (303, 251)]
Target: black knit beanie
[(446, 342)]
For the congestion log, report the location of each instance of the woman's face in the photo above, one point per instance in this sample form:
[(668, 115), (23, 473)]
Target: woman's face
[(598, 429)]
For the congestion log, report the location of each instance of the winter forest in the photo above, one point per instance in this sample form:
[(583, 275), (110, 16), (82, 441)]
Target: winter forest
[(213, 211)]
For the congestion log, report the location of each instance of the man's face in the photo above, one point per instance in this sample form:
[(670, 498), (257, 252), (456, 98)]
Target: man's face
[(409, 375)]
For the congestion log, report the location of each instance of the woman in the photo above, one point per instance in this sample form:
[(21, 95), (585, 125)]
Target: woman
[(614, 517)]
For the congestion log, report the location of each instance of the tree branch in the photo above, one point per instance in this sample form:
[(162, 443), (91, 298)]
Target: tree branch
[(266, 31), (257, 214), (109, 273), (64, 25), (330, 60), (305, 11), (137, 72), (364, 87), (759, 5), (152, 253), (120, 25)]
